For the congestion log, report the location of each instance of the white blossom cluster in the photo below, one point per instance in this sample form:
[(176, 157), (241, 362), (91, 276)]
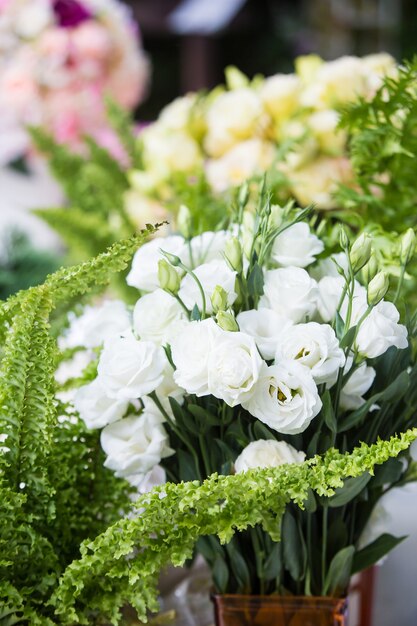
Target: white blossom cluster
[(275, 361)]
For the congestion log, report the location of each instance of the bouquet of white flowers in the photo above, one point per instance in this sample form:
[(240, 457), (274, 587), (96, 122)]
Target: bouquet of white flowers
[(253, 347)]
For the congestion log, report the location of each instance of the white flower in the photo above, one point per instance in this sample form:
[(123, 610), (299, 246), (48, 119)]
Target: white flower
[(166, 151), (327, 267), (167, 389), (209, 246), (156, 315), (95, 407), (290, 292), (95, 325), (267, 453), (330, 290), (358, 384), (315, 346), (176, 115), (380, 330), (233, 367), (190, 353), (265, 326), (129, 368), (134, 445), (296, 246), (317, 181), (243, 160), (233, 116), (286, 398), (323, 125), (144, 272), (210, 275)]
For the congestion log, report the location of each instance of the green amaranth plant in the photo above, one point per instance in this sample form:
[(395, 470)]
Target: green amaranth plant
[(123, 564), (54, 490)]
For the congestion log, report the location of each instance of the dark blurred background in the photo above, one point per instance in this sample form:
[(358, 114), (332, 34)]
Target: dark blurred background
[(190, 42)]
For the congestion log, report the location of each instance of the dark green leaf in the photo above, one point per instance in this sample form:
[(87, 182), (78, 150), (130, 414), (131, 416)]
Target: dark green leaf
[(328, 412), (372, 553), (294, 549), (220, 574), (203, 416), (195, 313), (339, 326), (351, 488), (310, 502), (239, 567), (261, 431), (273, 563), (256, 281), (388, 473), (348, 338), (339, 573)]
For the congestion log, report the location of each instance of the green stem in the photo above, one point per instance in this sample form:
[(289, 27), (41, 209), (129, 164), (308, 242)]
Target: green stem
[(324, 546), (400, 284), (204, 454), (259, 554), (181, 302)]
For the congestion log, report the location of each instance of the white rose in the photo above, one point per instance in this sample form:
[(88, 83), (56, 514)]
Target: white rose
[(129, 368), (190, 351), (156, 315), (330, 290), (280, 94), (315, 346), (296, 246), (358, 384), (290, 292), (209, 246), (328, 267), (167, 389), (380, 330), (210, 275), (233, 367), (95, 325), (243, 160), (233, 116), (144, 272), (265, 326), (286, 398), (95, 407), (134, 445), (267, 453)]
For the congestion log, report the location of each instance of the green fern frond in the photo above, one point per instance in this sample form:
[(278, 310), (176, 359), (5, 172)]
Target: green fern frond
[(122, 564)]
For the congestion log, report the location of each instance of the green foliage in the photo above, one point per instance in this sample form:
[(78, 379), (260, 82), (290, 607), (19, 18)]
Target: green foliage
[(123, 563), (22, 265), (383, 149), (54, 490)]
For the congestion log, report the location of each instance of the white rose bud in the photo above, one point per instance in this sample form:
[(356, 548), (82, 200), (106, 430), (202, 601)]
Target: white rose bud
[(233, 254), (360, 252), (129, 368), (377, 288), (343, 239), (184, 221), (168, 277), (370, 269), (408, 246), (267, 453), (219, 299), (227, 321)]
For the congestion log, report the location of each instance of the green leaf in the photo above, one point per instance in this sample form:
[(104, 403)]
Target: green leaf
[(239, 567), (261, 431), (339, 326), (388, 473), (351, 488), (273, 564), (195, 313), (348, 338), (294, 549), (328, 412), (204, 417), (220, 574), (339, 573), (310, 503), (375, 551), (256, 281)]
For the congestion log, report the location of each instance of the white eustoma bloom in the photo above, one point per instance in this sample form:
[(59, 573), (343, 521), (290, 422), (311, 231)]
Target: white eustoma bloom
[(330, 290), (328, 267), (96, 324), (267, 453), (380, 330), (129, 368), (209, 246), (280, 95), (134, 445), (351, 397), (95, 407), (210, 275), (190, 350), (156, 316), (296, 246), (315, 346), (144, 272), (286, 398), (233, 367), (265, 326), (290, 292)]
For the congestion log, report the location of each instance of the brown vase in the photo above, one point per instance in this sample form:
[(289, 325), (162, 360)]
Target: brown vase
[(238, 610)]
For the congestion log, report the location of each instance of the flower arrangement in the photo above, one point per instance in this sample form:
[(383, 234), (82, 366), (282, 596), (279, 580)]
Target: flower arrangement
[(59, 58), (255, 346)]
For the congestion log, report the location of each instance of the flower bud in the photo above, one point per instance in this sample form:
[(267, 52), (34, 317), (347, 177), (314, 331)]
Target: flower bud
[(360, 252), (370, 269), (343, 239), (219, 299), (233, 254), (172, 258), (277, 214), (408, 246), (243, 194), (184, 221), (168, 277), (377, 288), (227, 321)]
